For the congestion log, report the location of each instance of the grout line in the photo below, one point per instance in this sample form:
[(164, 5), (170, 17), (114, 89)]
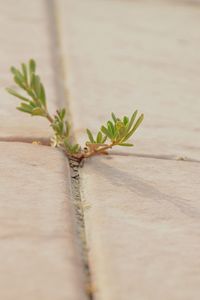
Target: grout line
[(55, 50), (58, 60), (157, 156), (79, 214), (46, 142), (63, 99), (28, 140)]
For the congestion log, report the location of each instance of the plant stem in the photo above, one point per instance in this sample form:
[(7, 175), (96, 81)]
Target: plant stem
[(94, 152), (49, 118), (83, 154)]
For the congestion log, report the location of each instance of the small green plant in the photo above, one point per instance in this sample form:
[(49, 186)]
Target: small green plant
[(116, 132)]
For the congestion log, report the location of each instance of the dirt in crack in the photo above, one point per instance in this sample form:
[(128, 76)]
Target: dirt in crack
[(62, 96), (80, 225)]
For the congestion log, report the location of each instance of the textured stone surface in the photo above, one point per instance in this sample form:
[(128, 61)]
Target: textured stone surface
[(141, 214), (38, 254), (142, 227), (25, 33), (123, 55), (142, 223)]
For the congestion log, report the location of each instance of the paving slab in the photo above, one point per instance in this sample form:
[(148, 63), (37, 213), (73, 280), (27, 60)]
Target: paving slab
[(127, 55), (142, 224), (39, 258), (25, 33), (142, 214)]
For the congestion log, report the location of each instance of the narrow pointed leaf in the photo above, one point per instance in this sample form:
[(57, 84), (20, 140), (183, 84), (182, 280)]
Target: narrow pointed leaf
[(104, 139), (19, 75), (132, 120), (30, 93), (23, 110), (139, 121), (32, 66), (114, 117), (76, 148), (13, 70), (125, 120), (12, 92), (38, 112), (105, 131), (110, 132), (126, 144), (137, 124), (43, 95), (25, 107), (110, 124), (24, 71), (62, 113), (67, 129), (32, 104), (37, 86), (32, 80), (18, 82), (90, 136), (99, 137)]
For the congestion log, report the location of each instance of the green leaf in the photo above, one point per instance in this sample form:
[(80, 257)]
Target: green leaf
[(126, 144), (139, 121), (38, 112), (24, 71), (62, 113), (106, 131), (114, 117), (25, 108), (90, 136), (17, 74), (61, 129), (104, 139), (43, 95), (32, 66), (110, 131), (19, 82), (121, 129), (110, 125), (33, 105), (99, 137), (13, 70), (67, 129), (132, 120), (12, 92), (30, 93), (76, 148), (32, 80), (125, 120), (137, 124), (37, 87), (70, 148)]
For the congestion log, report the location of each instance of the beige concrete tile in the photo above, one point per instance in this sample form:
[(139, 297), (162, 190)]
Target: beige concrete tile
[(39, 258), (25, 33), (127, 55), (142, 225)]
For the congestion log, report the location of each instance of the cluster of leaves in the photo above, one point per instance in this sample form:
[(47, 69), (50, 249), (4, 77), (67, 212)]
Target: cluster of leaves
[(61, 128), (34, 100), (116, 132)]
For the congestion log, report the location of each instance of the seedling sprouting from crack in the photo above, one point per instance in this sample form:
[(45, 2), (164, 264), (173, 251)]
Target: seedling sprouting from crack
[(116, 132)]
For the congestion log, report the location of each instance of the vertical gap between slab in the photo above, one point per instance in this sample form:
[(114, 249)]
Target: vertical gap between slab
[(63, 100)]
